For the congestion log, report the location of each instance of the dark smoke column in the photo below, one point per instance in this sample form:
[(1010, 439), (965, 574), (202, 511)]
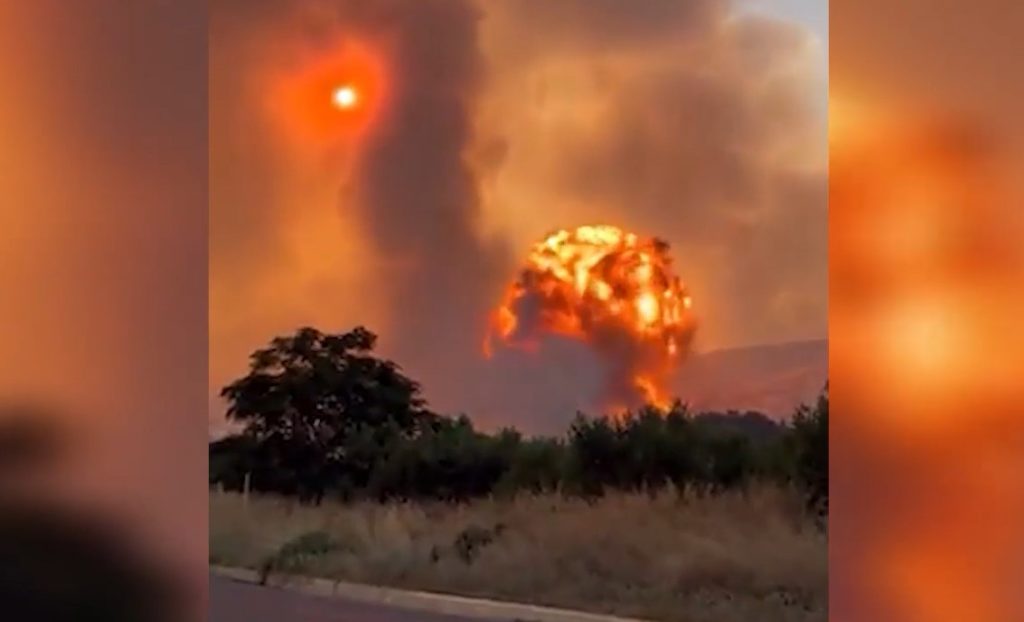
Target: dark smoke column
[(420, 198)]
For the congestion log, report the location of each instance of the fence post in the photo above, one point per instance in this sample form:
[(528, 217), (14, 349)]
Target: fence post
[(246, 483)]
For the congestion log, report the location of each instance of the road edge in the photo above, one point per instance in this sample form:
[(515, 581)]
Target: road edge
[(431, 602)]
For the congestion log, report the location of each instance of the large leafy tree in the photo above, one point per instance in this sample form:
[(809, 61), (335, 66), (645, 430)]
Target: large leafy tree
[(317, 406)]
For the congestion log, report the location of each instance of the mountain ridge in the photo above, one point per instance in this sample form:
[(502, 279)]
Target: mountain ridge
[(770, 378)]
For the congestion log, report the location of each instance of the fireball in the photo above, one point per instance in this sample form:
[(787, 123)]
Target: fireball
[(614, 291)]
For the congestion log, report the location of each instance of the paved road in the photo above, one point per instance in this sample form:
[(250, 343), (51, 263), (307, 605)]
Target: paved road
[(234, 601)]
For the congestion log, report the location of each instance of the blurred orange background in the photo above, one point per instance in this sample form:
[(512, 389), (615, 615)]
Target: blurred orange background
[(103, 274), (103, 262), (925, 267)]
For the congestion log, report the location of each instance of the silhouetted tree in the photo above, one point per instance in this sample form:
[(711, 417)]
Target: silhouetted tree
[(319, 408), (537, 465), (729, 461), (231, 459), (810, 447), (449, 461), (595, 456)]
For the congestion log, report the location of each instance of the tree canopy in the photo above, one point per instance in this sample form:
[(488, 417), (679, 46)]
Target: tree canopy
[(311, 402)]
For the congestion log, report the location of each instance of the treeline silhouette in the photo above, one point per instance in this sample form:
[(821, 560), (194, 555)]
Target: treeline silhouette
[(321, 416)]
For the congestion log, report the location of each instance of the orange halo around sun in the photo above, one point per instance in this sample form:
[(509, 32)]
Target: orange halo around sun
[(335, 95)]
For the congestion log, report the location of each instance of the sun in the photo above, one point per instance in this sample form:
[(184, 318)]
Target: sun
[(345, 97), (335, 96)]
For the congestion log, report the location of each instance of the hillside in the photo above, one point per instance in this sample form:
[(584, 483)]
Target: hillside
[(772, 379)]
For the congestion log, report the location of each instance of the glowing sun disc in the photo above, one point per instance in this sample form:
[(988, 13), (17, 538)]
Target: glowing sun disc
[(345, 97)]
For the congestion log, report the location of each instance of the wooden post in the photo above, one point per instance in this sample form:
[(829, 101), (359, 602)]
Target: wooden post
[(246, 483)]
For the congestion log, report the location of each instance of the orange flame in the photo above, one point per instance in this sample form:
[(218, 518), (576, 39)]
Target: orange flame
[(608, 288)]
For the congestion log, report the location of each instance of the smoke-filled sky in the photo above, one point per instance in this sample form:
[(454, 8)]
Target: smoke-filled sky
[(485, 126)]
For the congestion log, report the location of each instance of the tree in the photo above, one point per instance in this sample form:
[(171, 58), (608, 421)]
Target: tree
[(317, 405), (595, 456), (729, 461), (810, 440), (231, 458), (536, 465)]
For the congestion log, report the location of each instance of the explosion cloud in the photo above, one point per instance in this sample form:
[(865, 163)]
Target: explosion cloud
[(612, 290)]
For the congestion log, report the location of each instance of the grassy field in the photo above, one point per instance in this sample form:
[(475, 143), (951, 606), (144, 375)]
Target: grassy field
[(674, 557)]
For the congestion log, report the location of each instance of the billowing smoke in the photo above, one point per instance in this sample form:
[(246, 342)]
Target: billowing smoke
[(420, 199)]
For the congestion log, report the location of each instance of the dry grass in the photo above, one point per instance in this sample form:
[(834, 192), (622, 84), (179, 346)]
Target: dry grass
[(674, 557)]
